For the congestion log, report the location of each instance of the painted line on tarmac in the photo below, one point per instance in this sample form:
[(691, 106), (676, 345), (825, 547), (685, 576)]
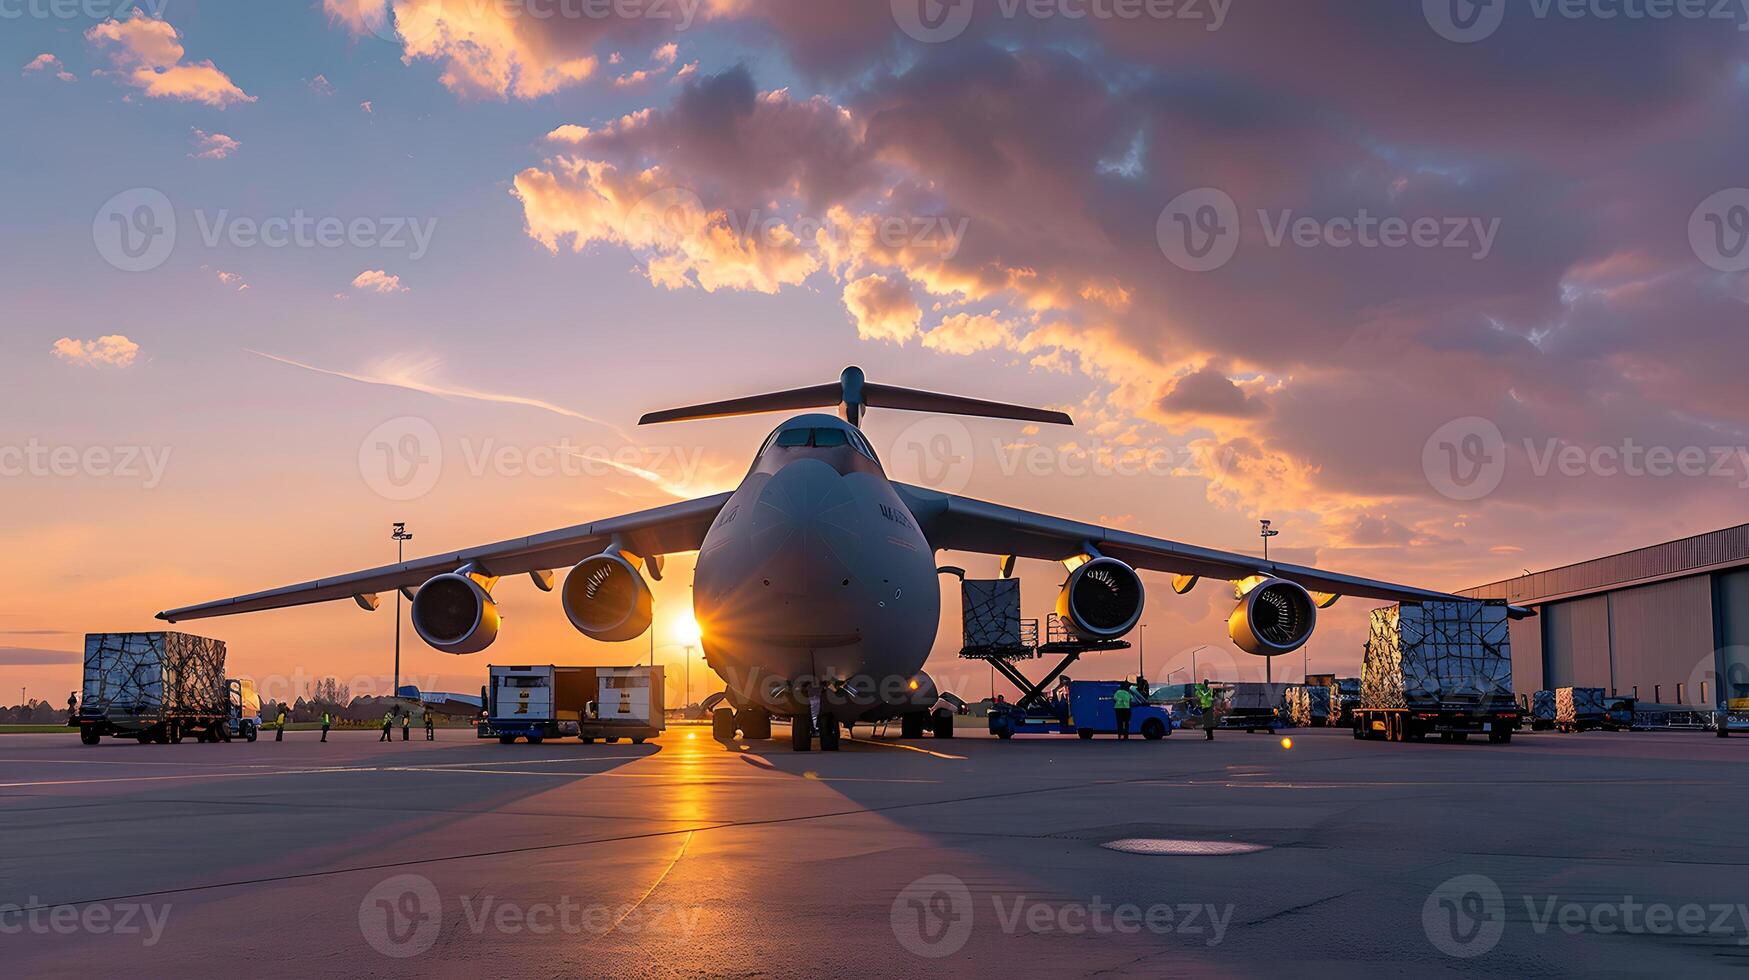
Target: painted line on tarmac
[(908, 748)]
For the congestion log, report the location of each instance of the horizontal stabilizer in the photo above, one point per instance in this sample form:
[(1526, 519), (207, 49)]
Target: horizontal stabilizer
[(853, 396)]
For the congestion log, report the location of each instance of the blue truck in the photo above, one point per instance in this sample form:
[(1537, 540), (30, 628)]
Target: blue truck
[(1082, 708)]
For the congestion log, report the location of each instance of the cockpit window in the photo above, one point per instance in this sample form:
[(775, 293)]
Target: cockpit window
[(791, 438), (829, 438), (820, 438)]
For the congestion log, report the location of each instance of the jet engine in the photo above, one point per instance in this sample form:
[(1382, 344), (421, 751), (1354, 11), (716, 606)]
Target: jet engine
[(607, 599), (1102, 600), (1275, 617), (455, 614)]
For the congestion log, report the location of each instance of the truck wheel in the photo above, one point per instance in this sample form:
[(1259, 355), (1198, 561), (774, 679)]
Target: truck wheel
[(1359, 732), (755, 723), (89, 736), (1086, 735), (943, 727), (1460, 736), (801, 733), (175, 734), (723, 724), (1152, 730), (828, 732), (586, 740), (911, 724), (637, 739), (506, 739), (611, 740), (249, 732), (536, 739)]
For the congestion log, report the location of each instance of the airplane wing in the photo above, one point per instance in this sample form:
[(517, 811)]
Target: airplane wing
[(659, 531), (963, 524)]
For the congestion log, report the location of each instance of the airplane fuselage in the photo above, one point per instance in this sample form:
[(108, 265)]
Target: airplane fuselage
[(815, 580)]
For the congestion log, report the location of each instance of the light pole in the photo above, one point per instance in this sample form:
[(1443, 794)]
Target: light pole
[(401, 537), (688, 674), (1142, 654), (1266, 533)]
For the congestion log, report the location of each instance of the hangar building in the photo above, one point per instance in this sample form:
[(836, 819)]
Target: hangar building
[(1663, 623)]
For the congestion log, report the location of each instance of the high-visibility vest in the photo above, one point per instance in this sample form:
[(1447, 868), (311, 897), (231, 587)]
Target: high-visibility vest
[(1120, 698), (325, 719), (1205, 697)]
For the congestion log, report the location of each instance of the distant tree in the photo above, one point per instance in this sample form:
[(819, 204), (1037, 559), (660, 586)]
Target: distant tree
[(329, 690)]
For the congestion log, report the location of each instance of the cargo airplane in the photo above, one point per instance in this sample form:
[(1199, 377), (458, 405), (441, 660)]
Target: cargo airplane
[(815, 586)]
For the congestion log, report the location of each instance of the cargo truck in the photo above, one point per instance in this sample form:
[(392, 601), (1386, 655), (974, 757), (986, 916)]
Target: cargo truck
[(1542, 711), (539, 702), (1308, 706), (1344, 698), (1253, 707), (1579, 709), (1440, 668), (162, 687)]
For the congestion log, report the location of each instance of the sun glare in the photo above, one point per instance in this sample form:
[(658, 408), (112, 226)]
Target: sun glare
[(687, 630)]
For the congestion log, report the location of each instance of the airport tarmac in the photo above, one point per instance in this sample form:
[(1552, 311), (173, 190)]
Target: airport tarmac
[(1604, 854)]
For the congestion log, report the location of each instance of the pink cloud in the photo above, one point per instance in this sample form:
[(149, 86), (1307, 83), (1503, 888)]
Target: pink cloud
[(46, 63), (112, 350), (378, 281), (213, 146)]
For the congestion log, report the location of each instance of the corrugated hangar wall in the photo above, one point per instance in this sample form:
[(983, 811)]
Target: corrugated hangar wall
[(1651, 638), (1661, 636), (1733, 605), (1576, 642)]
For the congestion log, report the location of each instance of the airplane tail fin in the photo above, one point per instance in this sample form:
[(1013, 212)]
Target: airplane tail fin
[(853, 396)]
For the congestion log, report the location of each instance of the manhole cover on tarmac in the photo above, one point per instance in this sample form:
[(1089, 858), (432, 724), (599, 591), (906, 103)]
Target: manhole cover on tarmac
[(1189, 848)]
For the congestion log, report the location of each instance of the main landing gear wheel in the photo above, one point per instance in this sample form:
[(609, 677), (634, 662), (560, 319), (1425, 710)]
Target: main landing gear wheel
[(755, 723), (911, 724), (942, 724), (828, 732), (801, 734), (723, 724)]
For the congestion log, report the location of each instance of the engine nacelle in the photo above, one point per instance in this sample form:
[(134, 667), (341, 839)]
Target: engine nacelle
[(607, 599), (1274, 618), (455, 614), (1102, 600)]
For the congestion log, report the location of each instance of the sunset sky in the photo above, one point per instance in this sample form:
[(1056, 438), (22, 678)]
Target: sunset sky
[(1475, 300)]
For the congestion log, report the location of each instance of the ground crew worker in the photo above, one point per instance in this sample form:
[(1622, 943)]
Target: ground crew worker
[(388, 722), (327, 719), (430, 735), (279, 736), (406, 719), (1120, 703), (1206, 698)]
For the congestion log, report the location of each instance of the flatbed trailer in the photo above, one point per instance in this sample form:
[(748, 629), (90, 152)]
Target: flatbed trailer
[(1451, 721)]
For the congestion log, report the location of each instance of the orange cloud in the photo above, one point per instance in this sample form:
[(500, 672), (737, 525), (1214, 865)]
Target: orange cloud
[(46, 63), (147, 53), (378, 281), (213, 146), (112, 350), (882, 308)]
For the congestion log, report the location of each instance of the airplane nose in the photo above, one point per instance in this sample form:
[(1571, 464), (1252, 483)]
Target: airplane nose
[(804, 529)]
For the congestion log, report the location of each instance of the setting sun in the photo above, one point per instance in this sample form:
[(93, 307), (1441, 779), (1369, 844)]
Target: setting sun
[(686, 630)]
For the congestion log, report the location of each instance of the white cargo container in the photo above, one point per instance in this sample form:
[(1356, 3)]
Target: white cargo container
[(539, 702)]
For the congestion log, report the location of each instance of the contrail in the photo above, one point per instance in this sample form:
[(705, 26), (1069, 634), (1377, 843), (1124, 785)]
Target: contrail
[(407, 381)]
